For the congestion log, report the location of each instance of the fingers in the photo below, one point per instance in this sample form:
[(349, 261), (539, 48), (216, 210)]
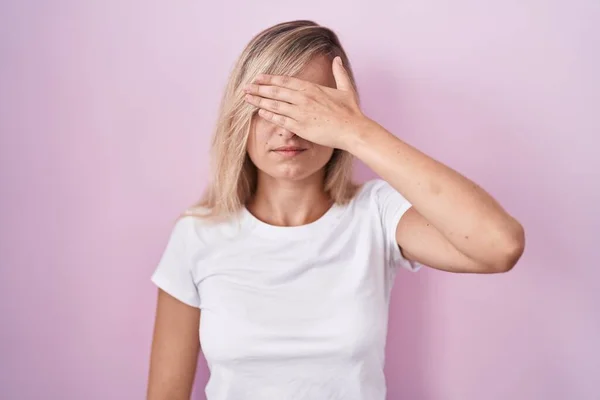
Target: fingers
[(288, 82), (342, 79), (275, 106), (274, 92), (278, 119)]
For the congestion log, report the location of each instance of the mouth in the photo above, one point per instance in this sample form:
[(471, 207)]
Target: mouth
[(289, 150)]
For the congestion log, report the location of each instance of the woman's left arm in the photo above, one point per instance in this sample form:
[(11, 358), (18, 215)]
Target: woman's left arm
[(454, 225)]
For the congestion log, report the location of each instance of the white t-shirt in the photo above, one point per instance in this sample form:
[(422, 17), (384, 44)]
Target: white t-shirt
[(292, 313)]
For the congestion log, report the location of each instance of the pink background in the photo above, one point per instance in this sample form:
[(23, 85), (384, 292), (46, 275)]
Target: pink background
[(106, 110)]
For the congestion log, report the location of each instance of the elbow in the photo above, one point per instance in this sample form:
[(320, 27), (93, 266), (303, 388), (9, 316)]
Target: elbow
[(511, 250)]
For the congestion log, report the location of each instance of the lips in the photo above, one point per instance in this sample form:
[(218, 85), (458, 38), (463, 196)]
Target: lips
[(289, 148), (289, 151)]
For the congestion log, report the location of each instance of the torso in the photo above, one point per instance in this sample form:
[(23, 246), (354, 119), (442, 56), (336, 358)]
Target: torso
[(295, 312)]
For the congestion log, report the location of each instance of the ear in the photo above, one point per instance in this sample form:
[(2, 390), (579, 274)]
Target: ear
[(342, 80)]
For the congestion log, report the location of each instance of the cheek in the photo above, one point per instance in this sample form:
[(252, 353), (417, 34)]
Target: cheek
[(319, 157), (258, 140), (261, 133), (323, 153)]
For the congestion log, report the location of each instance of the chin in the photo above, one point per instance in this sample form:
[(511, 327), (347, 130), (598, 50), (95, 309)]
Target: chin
[(291, 173)]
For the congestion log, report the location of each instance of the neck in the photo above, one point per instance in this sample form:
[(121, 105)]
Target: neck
[(283, 202)]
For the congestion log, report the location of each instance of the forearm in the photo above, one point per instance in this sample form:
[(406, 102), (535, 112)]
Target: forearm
[(463, 212)]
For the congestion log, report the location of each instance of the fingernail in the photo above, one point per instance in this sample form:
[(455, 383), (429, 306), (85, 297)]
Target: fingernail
[(339, 60)]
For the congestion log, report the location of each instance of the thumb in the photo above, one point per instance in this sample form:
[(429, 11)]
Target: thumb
[(342, 80)]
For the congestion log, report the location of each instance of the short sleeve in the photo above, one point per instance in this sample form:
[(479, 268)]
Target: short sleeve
[(392, 206), (174, 271)]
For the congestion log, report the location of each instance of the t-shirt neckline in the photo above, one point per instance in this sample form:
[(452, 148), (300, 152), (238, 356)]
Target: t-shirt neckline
[(329, 218)]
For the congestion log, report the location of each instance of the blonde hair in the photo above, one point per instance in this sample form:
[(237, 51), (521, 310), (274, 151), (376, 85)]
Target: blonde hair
[(283, 49)]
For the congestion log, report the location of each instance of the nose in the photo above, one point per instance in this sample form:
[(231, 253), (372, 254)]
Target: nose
[(286, 133)]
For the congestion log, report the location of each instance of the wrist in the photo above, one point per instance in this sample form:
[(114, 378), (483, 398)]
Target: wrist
[(365, 131)]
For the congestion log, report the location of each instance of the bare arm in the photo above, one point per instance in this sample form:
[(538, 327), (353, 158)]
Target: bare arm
[(454, 224), (175, 348)]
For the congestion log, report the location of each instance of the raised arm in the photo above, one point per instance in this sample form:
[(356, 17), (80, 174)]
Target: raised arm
[(454, 225)]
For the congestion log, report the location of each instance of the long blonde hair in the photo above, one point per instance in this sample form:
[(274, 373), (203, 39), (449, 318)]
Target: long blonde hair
[(283, 49)]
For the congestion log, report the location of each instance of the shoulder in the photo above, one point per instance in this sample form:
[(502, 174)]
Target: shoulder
[(185, 227), (197, 229), (366, 200), (184, 233), (378, 197), (370, 191)]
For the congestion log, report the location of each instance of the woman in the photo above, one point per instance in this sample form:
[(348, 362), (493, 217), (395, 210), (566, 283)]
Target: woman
[(287, 261)]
